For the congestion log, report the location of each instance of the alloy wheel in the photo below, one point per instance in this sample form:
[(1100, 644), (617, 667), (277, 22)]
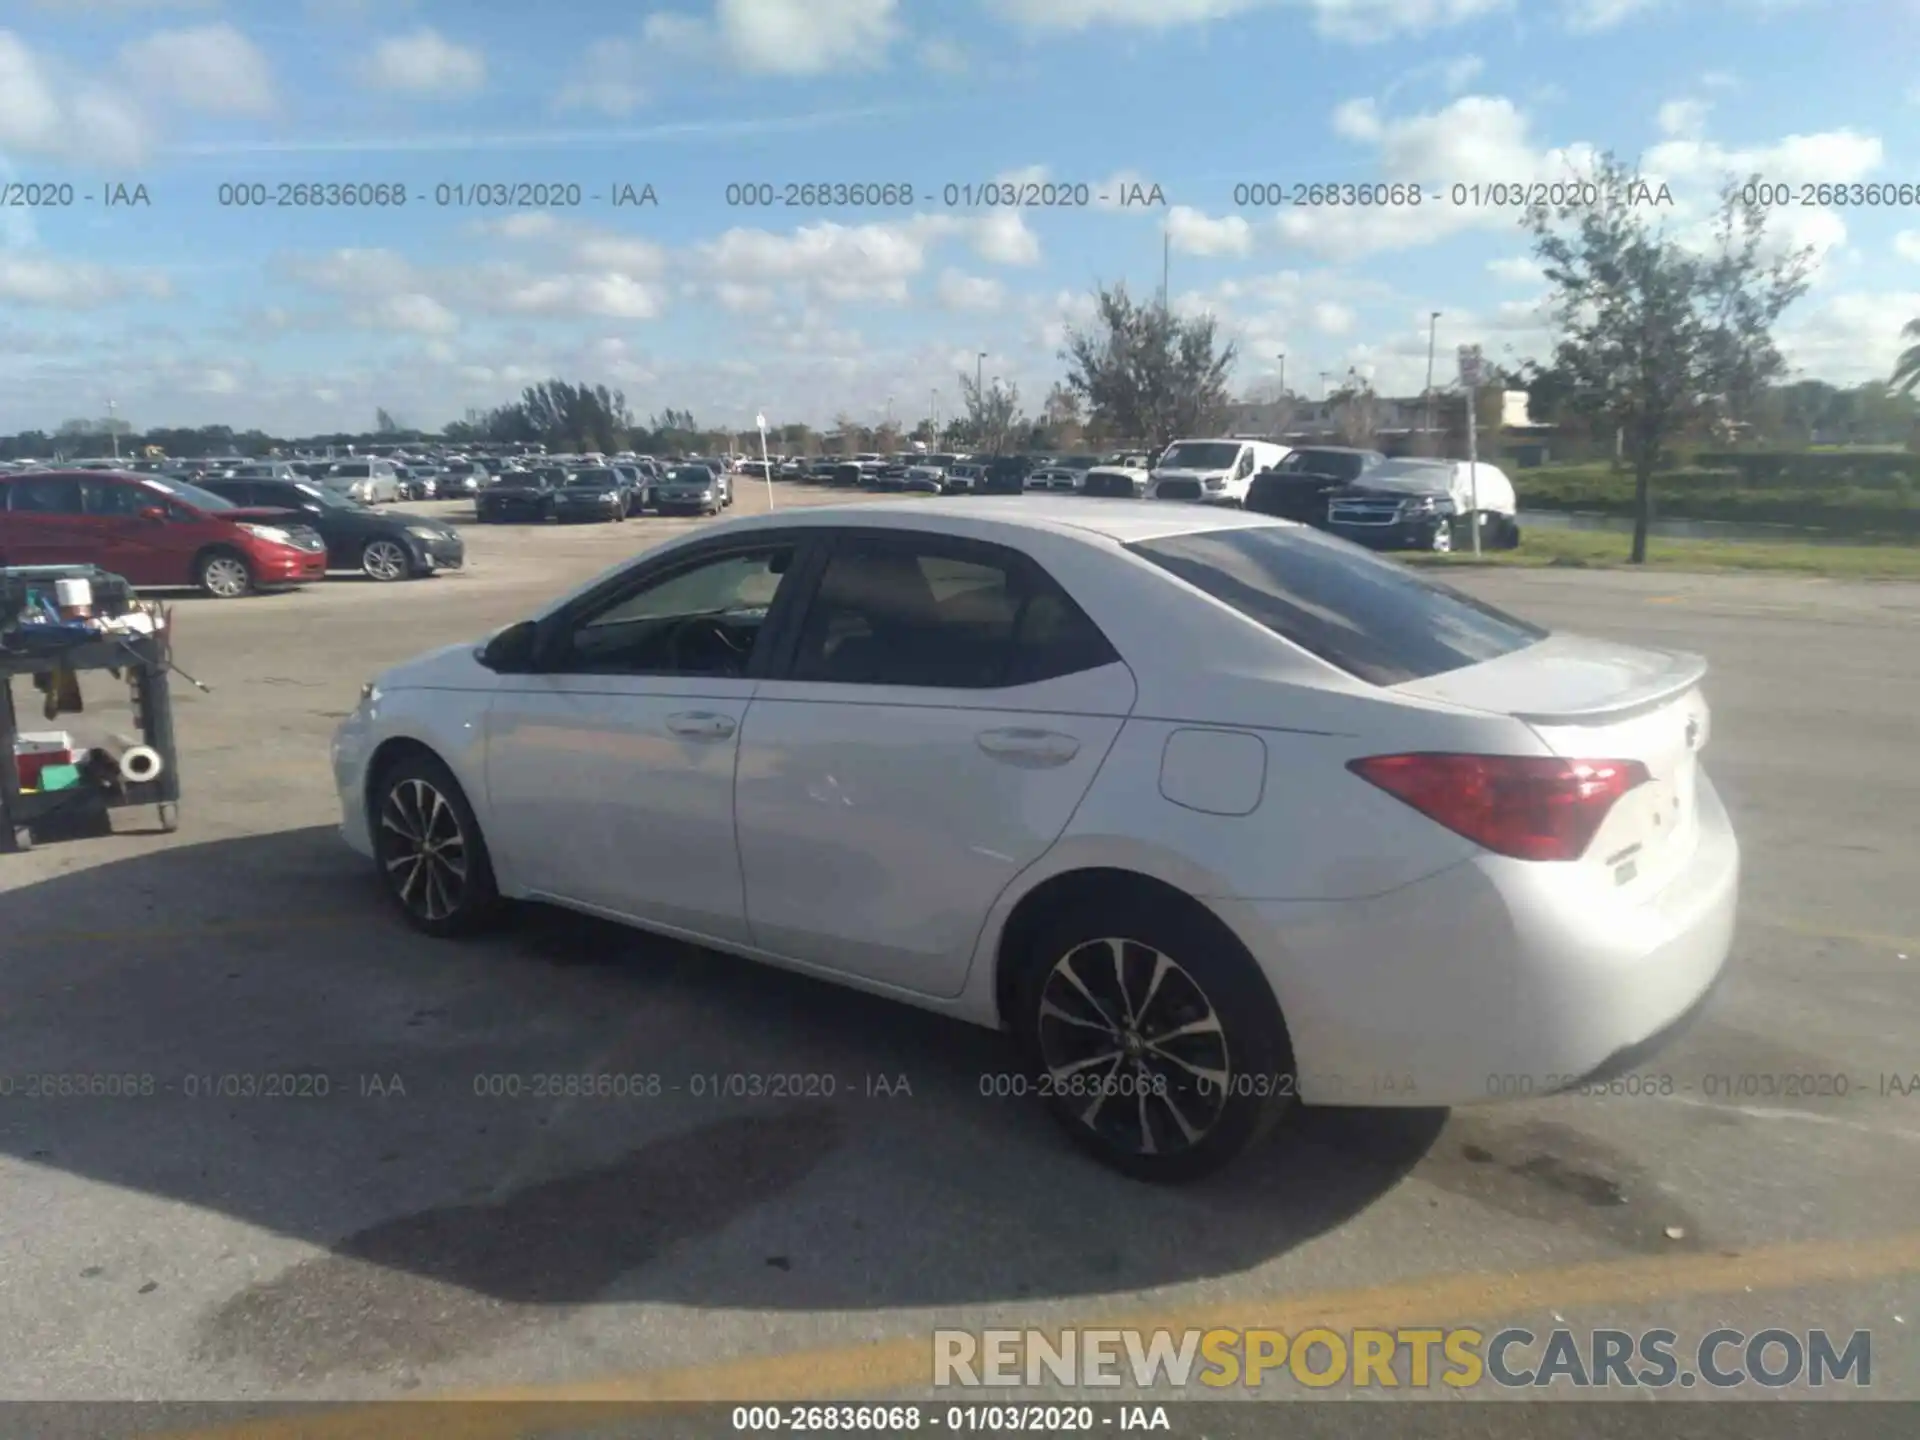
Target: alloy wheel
[(384, 560), (225, 577), (1133, 1048), (423, 849)]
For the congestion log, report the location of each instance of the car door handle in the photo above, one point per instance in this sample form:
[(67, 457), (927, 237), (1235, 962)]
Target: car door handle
[(701, 725), (1030, 749)]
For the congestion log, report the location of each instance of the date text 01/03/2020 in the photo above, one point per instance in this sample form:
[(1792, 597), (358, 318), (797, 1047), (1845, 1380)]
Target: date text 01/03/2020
[(1495, 195), (1040, 1419), (953, 195), (448, 195)]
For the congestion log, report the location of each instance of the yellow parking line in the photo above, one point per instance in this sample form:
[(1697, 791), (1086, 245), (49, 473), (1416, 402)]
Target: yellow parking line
[(904, 1364)]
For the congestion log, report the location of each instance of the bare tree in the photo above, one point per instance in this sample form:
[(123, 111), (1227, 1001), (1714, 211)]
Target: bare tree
[(1357, 412), (993, 411), (849, 431)]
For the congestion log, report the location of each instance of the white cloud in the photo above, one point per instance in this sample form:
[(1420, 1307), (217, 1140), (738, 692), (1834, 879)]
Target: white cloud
[(1848, 338), (610, 81), (612, 294), (1476, 139), (46, 114), (1587, 17), (1002, 238), (1360, 21), (1683, 119), (415, 313), (1193, 233), (784, 37), (1459, 73), (212, 68), (945, 57), (1021, 178), (958, 291), (1831, 156), (1517, 270), (425, 62), (1907, 245), (620, 253), (831, 261), (1331, 318), (54, 284)]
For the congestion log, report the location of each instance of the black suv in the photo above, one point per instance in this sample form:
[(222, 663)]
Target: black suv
[(1299, 487)]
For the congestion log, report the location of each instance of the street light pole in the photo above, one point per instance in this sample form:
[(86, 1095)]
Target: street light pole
[(112, 429), (1433, 329)]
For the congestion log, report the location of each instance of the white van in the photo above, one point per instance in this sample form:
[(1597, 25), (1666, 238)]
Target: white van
[(1214, 472)]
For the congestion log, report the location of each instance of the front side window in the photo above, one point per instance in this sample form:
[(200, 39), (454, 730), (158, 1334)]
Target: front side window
[(701, 620), (104, 497), (925, 614)]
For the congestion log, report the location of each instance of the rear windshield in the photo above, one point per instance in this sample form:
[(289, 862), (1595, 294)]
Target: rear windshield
[(1370, 617)]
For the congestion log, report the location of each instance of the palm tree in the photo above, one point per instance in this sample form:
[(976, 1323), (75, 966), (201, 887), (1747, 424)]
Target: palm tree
[(1906, 370)]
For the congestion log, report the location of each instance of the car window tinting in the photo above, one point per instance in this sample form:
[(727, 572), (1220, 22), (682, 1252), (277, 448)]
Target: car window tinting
[(889, 612), (105, 497), (44, 497), (703, 620), (1370, 617)]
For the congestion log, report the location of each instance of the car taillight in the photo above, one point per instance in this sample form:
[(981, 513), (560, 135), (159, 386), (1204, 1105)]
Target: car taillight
[(1529, 807)]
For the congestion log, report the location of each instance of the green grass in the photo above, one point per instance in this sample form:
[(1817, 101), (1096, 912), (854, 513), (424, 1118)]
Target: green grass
[(1602, 550)]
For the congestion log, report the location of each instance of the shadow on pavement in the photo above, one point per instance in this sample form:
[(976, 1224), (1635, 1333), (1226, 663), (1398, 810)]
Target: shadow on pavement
[(475, 1133)]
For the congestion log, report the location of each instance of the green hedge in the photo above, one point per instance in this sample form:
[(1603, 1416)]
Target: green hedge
[(1866, 468), (1886, 505)]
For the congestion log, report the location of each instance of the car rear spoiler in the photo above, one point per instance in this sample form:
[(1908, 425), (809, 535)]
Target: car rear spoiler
[(1684, 674)]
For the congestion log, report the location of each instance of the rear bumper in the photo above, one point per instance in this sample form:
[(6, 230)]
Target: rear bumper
[(1495, 979)]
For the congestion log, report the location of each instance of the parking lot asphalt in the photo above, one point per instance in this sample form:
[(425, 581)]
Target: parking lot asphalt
[(406, 1225)]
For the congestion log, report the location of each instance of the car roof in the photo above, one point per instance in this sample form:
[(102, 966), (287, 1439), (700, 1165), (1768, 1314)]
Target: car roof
[(1120, 521)]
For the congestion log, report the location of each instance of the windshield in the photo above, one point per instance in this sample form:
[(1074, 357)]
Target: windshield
[(190, 494), (1201, 455), (1412, 477), (592, 480), (1334, 464), (692, 475)]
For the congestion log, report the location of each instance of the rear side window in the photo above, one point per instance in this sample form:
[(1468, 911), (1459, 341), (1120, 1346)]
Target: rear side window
[(44, 497), (1370, 617), (926, 614)]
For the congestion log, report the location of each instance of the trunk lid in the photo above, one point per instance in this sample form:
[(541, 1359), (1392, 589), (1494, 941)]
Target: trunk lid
[(1597, 700)]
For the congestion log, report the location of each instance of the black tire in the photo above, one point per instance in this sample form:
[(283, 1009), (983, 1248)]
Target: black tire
[(1212, 981), (223, 574), (455, 898)]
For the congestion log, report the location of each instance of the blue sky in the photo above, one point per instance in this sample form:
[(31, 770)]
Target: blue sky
[(299, 319)]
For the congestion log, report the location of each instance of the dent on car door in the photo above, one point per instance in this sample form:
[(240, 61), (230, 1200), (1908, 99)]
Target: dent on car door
[(610, 772), (945, 710)]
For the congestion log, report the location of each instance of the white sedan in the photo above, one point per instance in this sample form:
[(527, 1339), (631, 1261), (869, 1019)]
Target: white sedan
[(1214, 813)]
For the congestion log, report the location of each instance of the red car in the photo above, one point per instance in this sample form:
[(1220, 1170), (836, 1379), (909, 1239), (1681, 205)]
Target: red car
[(153, 531)]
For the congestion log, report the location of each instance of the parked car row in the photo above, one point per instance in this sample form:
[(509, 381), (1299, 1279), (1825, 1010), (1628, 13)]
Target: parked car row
[(591, 488)]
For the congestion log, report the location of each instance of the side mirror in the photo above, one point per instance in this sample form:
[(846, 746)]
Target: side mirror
[(512, 651), (152, 512)]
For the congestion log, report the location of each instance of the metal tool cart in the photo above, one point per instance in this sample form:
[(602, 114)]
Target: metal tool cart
[(55, 644)]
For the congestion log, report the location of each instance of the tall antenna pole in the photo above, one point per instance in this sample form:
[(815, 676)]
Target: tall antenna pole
[(1166, 263)]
